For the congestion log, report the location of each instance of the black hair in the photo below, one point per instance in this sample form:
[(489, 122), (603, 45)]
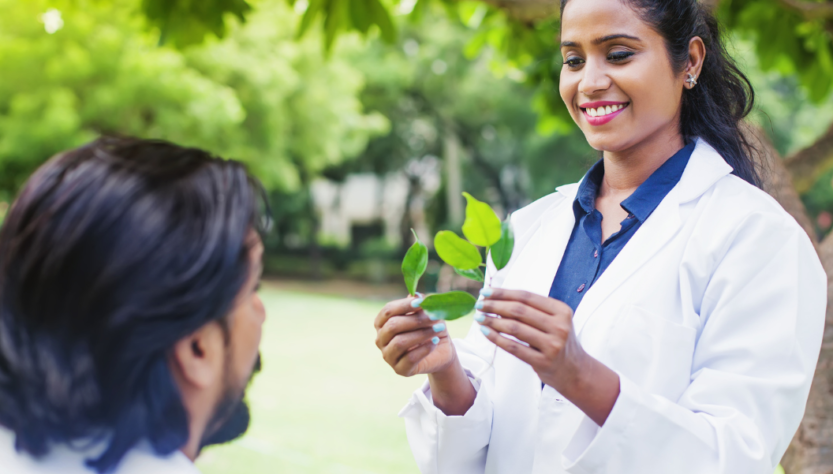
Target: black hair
[(714, 108), (112, 253)]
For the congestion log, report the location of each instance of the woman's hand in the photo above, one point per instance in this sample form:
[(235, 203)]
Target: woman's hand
[(410, 342), (553, 350), (413, 344)]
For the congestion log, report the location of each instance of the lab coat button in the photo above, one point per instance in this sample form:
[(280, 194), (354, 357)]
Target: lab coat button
[(595, 254), (581, 288)]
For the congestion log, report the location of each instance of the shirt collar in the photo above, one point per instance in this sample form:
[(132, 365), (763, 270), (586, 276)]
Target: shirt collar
[(647, 196)]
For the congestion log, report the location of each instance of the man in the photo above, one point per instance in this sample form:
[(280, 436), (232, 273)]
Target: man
[(129, 318)]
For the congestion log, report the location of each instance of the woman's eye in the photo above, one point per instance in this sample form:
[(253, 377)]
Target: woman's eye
[(619, 55), (574, 62)]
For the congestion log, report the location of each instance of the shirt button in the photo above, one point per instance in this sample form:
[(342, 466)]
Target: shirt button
[(595, 254), (581, 288)]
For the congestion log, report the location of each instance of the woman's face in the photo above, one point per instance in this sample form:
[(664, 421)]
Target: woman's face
[(617, 79)]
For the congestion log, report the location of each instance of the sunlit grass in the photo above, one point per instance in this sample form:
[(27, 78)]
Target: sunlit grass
[(325, 401)]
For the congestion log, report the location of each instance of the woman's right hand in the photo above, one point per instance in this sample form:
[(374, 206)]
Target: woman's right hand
[(405, 335)]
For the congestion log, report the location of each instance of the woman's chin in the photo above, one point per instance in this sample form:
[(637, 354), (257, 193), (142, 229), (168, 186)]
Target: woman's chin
[(610, 142)]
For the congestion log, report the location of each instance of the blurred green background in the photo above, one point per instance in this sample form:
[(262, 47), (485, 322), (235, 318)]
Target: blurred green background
[(363, 119)]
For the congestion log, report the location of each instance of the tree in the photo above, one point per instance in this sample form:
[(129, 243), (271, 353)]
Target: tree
[(256, 95)]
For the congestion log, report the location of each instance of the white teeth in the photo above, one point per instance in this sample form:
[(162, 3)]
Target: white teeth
[(606, 110)]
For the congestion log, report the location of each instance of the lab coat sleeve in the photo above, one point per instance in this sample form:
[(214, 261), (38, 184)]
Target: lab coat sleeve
[(453, 444), (762, 318)]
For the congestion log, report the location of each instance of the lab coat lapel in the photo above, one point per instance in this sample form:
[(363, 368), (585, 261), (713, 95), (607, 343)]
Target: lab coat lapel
[(540, 258), (704, 168)]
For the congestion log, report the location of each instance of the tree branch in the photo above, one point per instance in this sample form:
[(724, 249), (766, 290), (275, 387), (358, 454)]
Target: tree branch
[(528, 10), (811, 10), (806, 165)]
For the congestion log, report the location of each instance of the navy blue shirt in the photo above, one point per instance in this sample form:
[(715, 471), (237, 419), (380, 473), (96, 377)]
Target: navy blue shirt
[(586, 257)]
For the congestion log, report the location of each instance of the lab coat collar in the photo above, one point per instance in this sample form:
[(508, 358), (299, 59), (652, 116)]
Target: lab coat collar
[(539, 261)]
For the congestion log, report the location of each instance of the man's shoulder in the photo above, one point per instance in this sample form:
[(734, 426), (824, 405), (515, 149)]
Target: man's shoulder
[(63, 460)]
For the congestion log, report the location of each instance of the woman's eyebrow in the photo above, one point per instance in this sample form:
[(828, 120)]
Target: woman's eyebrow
[(607, 38), (598, 41)]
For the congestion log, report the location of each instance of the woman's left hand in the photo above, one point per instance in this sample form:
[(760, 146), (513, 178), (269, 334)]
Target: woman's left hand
[(553, 350)]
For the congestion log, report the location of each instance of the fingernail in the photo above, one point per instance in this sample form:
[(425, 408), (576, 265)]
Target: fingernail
[(439, 327), (478, 305), (415, 303), (486, 292), (419, 295), (479, 317), (485, 330), (432, 317), (435, 340)]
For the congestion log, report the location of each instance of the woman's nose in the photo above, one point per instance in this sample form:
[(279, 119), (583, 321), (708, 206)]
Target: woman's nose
[(594, 79)]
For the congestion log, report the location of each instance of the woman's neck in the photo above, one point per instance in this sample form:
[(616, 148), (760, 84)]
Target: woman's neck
[(626, 170)]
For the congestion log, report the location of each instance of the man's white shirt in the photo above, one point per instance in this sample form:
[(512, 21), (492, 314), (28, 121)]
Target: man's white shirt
[(66, 460)]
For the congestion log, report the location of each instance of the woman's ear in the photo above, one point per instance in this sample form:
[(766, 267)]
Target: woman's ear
[(197, 359), (696, 56)]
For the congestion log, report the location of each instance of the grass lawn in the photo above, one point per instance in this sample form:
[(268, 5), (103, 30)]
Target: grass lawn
[(325, 401)]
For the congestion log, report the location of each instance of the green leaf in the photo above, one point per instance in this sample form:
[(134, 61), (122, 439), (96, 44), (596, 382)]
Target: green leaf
[(309, 16), (449, 306), (475, 274), (414, 264), (359, 15), (482, 226), (383, 20), (456, 252), (501, 252)]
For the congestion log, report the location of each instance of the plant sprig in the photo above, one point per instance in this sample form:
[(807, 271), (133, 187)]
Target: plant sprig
[(482, 228)]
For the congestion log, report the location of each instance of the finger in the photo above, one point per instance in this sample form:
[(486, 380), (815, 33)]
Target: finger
[(407, 364), (517, 311), (522, 352), (538, 339), (402, 324), (402, 343), (541, 303), (395, 308)]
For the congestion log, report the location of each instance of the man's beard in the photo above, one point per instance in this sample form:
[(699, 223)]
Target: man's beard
[(231, 418)]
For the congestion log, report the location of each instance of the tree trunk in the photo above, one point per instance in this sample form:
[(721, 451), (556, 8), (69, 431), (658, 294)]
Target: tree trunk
[(811, 450)]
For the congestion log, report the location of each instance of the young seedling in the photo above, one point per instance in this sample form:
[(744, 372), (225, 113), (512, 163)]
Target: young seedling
[(482, 228)]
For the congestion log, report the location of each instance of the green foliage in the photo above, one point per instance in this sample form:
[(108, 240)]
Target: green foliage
[(346, 15), (449, 306), (501, 251), (187, 22), (786, 41), (414, 264), (475, 274), (482, 226), (456, 252), (258, 95)]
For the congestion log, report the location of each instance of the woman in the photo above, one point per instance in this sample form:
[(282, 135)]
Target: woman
[(662, 316)]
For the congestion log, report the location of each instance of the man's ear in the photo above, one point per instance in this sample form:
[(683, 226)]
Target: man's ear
[(198, 358)]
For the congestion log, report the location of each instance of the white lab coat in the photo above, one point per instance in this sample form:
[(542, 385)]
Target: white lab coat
[(712, 315), (62, 459)]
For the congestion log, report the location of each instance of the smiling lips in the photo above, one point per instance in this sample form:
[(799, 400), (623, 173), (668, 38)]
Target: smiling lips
[(600, 113)]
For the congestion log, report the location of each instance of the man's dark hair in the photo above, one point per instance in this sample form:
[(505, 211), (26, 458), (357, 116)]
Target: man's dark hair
[(112, 253)]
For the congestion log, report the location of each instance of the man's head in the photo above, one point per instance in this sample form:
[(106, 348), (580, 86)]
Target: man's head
[(128, 312)]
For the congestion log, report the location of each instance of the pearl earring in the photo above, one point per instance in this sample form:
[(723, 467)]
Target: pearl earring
[(691, 80)]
